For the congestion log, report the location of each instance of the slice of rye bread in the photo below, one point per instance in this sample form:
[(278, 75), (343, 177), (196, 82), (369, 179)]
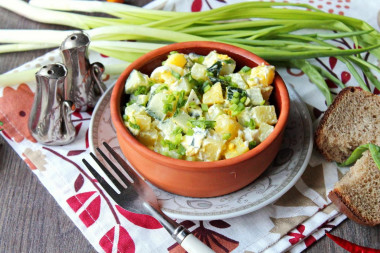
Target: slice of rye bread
[(351, 120), (357, 194)]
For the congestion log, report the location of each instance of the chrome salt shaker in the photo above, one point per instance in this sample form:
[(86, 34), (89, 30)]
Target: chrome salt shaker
[(50, 119), (83, 84)]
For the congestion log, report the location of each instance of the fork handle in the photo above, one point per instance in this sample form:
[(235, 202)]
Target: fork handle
[(189, 242), (183, 236)]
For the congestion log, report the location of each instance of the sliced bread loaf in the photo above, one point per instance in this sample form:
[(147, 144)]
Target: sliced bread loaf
[(357, 194), (351, 120)]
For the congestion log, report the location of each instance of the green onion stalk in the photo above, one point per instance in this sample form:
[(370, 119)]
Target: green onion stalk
[(264, 28)]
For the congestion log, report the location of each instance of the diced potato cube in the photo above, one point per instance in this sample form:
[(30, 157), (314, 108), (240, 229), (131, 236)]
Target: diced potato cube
[(148, 138), (167, 128), (163, 74), (264, 131), (133, 110), (255, 96), (228, 64), (238, 79), (213, 95), (176, 59), (181, 84), (213, 57), (225, 124), (264, 114), (245, 116), (214, 111), (266, 91), (236, 147), (181, 120), (251, 134), (135, 80), (143, 121), (211, 149), (140, 99), (175, 68), (199, 72), (264, 73)]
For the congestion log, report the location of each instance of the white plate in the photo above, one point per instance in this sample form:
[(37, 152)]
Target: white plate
[(286, 169)]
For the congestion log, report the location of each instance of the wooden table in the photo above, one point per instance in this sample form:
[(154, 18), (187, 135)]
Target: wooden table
[(31, 220)]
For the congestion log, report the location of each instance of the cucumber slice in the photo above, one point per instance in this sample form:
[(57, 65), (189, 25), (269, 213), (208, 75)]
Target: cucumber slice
[(155, 106), (181, 120), (192, 99), (255, 96)]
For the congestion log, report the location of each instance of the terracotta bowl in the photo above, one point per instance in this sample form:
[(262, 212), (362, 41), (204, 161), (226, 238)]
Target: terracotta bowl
[(199, 179)]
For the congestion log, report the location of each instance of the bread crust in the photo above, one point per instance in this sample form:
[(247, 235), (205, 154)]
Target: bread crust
[(319, 134), (349, 211)]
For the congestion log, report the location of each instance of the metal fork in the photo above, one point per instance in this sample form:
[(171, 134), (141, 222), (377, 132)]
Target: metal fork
[(139, 197)]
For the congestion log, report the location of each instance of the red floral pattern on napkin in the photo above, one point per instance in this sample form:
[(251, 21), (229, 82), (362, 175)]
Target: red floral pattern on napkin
[(14, 112)]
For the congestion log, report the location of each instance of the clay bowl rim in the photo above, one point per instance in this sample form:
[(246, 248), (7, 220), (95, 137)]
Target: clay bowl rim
[(195, 165)]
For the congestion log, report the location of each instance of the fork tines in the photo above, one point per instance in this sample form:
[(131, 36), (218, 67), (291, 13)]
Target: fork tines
[(122, 163)]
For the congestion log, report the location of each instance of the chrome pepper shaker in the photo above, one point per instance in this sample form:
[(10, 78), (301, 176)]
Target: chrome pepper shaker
[(50, 119), (83, 84)]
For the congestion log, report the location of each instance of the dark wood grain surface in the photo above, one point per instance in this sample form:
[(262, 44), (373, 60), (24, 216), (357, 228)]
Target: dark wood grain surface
[(31, 220)]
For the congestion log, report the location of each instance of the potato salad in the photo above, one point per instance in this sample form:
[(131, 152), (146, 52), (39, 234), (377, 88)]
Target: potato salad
[(198, 108)]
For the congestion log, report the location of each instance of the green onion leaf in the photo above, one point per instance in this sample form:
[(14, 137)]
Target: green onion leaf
[(252, 144), (204, 107), (141, 90), (226, 136), (205, 124), (176, 74), (245, 69), (358, 152)]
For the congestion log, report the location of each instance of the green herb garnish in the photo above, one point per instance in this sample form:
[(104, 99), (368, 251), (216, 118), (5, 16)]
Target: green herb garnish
[(252, 144), (358, 152), (141, 90), (226, 136), (204, 124)]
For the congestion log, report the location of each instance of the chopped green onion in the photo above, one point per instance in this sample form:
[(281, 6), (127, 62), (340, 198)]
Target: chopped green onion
[(252, 144), (190, 132), (235, 100), (176, 74), (251, 124), (173, 52), (141, 90), (177, 138), (181, 150), (245, 69), (131, 102), (204, 107), (134, 125), (233, 107), (205, 124), (206, 88), (192, 104), (181, 99), (176, 131), (161, 88), (226, 136)]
